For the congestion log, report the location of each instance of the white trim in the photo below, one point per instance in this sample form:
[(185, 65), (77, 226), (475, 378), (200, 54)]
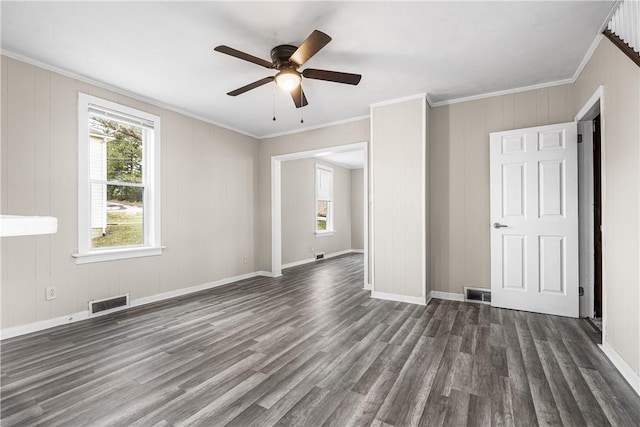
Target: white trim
[(451, 296), (116, 254), (276, 199), (429, 100), (308, 128), (399, 298), (587, 56), (357, 251), (276, 216), (297, 263), (423, 194), (422, 95), (326, 256), (82, 315), (150, 181), (184, 291), (365, 219), (264, 273), (42, 325), (120, 91), (503, 92), (598, 96), (627, 371), (325, 233), (591, 102), (370, 202)]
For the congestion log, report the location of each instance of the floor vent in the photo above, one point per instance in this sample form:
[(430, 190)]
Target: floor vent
[(319, 255), (108, 305), (477, 295)]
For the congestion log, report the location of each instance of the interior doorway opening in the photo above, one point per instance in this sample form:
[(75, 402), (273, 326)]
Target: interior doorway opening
[(276, 200), (590, 189)]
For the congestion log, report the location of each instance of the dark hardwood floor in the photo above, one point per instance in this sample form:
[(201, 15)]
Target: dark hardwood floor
[(313, 349)]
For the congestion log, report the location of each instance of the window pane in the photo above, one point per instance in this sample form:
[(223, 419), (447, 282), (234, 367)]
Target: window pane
[(116, 216), (115, 150), (321, 215)]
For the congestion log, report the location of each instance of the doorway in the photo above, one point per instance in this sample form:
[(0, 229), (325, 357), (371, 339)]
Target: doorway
[(590, 183), (276, 201)]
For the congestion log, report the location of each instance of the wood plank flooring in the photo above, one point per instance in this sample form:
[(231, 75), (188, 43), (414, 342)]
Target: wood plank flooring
[(313, 349)]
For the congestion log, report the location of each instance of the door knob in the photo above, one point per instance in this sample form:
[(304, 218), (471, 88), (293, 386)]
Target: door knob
[(498, 225)]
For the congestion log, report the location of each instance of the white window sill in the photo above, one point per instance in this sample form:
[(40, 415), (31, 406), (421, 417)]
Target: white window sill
[(325, 233), (116, 254)]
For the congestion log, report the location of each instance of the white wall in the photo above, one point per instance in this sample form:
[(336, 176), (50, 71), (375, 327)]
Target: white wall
[(620, 113), (459, 161), (357, 209), (208, 195), (298, 211), (398, 159), (343, 134)]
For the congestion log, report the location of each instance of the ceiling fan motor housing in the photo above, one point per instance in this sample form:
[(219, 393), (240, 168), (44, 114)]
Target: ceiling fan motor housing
[(280, 56)]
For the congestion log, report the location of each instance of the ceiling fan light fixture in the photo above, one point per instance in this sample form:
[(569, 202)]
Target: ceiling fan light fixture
[(288, 79)]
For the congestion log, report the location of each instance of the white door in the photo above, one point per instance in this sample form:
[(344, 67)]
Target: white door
[(534, 219)]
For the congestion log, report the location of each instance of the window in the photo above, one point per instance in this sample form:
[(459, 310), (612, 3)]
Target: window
[(324, 199), (119, 186)]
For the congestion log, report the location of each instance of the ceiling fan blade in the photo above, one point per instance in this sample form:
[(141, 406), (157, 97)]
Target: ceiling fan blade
[(250, 86), (244, 56), (298, 97), (332, 76), (312, 45)]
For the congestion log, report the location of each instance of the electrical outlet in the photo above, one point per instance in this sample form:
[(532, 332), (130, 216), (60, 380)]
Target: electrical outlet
[(246, 259), (311, 250), (51, 293)]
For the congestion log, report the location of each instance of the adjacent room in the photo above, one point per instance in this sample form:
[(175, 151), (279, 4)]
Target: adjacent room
[(310, 213)]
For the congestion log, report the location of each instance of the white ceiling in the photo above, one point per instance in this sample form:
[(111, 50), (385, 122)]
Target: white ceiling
[(346, 159), (163, 51)]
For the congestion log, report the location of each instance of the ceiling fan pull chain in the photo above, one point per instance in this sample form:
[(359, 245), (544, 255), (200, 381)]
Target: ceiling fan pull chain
[(301, 103), (274, 102)]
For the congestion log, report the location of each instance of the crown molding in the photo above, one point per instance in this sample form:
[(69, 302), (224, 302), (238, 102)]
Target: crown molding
[(120, 91), (308, 128), (503, 92), (422, 95)]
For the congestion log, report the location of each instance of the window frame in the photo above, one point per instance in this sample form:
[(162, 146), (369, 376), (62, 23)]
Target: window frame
[(150, 181), (330, 227)]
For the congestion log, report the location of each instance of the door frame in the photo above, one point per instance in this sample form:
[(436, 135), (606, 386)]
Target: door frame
[(276, 202), (587, 112)]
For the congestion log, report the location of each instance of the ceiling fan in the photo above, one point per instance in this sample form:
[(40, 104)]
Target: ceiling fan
[(287, 59)]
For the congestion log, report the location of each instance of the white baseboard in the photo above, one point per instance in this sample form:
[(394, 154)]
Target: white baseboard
[(297, 263), (326, 256), (399, 298), (446, 295), (627, 372), (180, 292), (43, 324), (367, 287), (265, 273), (83, 315)]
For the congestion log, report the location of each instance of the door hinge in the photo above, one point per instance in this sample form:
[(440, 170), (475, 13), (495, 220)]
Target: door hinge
[(579, 138), (580, 291)]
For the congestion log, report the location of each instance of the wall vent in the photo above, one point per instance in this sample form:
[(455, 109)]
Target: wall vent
[(481, 295), (108, 305), (319, 255)]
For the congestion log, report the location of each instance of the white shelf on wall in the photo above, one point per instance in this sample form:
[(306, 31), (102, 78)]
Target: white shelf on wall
[(20, 225)]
